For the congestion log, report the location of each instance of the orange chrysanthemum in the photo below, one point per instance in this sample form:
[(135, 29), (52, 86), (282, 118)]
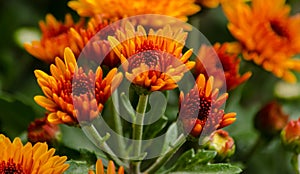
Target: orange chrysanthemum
[(225, 54), (153, 61), (201, 109), (111, 9), (70, 85), (269, 36), (209, 3), (110, 168), (55, 38), (40, 130), (94, 42), (18, 159), (213, 3)]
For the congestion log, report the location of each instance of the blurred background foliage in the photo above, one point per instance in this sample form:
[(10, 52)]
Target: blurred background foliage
[(19, 23)]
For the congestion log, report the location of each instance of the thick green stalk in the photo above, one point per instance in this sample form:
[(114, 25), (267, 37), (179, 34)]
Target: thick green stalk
[(118, 125), (138, 131)]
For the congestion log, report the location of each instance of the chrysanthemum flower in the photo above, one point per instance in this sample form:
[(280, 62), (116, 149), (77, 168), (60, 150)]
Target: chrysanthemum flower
[(94, 42), (152, 61), (118, 8), (110, 168), (270, 119), (269, 36), (219, 61), (40, 130), (70, 85), (213, 3), (200, 108), (55, 38), (209, 3), (18, 159)]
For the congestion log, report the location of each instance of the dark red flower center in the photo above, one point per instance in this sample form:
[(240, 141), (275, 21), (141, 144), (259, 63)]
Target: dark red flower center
[(278, 28), (204, 108), (148, 57), (10, 167)]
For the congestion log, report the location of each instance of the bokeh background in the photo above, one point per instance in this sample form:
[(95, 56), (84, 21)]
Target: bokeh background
[(19, 23)]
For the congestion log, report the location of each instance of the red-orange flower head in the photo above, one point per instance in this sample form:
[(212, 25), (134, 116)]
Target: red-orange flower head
[(152, 61), (92, 40), (55, 38), (40, 130), (271, 119), (290, 136), (219, 61), (200, 108), (70, 85), (269, 36)]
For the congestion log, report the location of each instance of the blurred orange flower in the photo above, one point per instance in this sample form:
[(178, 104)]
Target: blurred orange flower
[(55, 38), (221, 61), (269, 36), (16, 158), (120, 9), (40, 130), (70, 85), (152, 61), (204, 102)]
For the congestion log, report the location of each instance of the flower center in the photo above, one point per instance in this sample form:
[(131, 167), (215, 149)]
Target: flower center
[(278, 28), (148, 57), (81, 87), (10, 167), (205, 108)]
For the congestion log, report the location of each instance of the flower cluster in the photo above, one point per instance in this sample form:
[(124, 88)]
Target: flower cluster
[(117, 42)]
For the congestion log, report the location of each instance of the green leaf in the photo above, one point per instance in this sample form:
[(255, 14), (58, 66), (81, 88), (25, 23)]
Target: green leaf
[(77, 167), (15, 116), (152, 130), (203, 157), (221, 168), (183, 160), (171, 136)]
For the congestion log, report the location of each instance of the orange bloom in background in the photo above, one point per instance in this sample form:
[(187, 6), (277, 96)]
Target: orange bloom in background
[(269, 36), (221, 61), (55, 38), (70, 85), (152, 61), (120, 9), (270, 119), (94, 42), (209, 3), (110, 168), (37, 159), (204, 102), (40, 130), (213, 3)]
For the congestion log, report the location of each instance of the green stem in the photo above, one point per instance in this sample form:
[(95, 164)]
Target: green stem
[(165, 157), (138, 131), (295, 163), (100, 142), (118, 125)]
